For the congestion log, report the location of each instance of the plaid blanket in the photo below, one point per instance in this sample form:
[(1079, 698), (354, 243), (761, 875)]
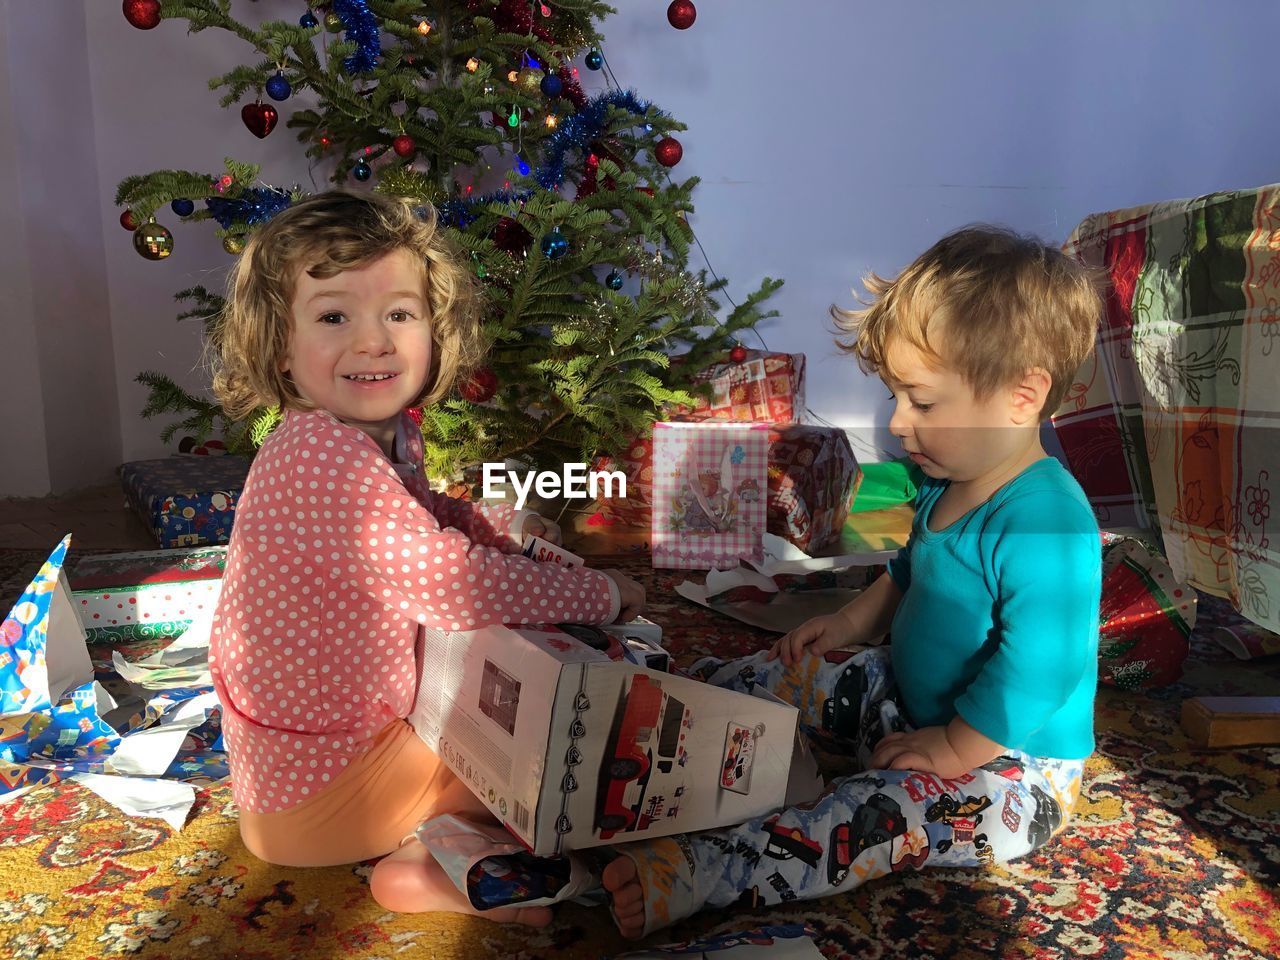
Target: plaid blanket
[(1173, 425)]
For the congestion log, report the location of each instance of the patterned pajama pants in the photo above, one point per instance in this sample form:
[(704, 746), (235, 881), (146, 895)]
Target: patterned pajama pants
[(863, 826)]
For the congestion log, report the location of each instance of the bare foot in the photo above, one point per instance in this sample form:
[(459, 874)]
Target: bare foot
[(619, 879), (410, 881)]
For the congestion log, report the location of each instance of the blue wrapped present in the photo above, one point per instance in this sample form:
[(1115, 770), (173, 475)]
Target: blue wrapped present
[(186, 501)]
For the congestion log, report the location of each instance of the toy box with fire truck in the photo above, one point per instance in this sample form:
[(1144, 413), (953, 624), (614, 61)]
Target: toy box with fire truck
[(571, 748)]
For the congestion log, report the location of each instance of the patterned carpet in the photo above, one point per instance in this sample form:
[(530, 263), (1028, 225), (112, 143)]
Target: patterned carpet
[(1174, 854)]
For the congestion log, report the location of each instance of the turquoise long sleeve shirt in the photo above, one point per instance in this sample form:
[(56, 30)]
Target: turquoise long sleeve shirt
[(999, 615)]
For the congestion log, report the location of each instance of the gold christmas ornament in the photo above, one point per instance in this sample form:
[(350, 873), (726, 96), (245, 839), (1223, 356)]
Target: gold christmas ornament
[(332, 22), (529, 80), (473, 65), (233, 245), (153, 241)]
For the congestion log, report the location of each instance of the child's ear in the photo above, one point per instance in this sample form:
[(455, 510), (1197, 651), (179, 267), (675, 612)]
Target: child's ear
[(1029, 395)]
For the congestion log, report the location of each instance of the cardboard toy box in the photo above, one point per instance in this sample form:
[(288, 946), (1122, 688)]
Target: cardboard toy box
[(570, 749)]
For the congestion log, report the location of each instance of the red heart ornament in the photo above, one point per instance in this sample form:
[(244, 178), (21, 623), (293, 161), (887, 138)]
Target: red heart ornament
[(260, 118)]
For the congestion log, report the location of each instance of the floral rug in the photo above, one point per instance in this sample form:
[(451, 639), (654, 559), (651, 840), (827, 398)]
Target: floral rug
[(1174, 853)]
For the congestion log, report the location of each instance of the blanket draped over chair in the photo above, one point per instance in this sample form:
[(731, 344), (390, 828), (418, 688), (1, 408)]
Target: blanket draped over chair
[(1173, 425)]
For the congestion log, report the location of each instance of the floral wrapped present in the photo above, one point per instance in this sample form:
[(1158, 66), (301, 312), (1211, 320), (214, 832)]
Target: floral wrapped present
[(813, 478), (138, 603), (186, 501), (1146, 617), (708, 489), (762, 388)]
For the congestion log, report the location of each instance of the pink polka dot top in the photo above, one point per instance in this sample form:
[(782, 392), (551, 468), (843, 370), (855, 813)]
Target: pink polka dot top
[(336, 557)]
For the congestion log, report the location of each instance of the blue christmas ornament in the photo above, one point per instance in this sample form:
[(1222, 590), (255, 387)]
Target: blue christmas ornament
[(308, 20), (554, 245), (182, 207), (614, 281), (278, 87), (595, 60), (551, 85), (362, 171)]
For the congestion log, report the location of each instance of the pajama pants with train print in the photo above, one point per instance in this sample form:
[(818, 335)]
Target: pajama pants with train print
[(862, 826)]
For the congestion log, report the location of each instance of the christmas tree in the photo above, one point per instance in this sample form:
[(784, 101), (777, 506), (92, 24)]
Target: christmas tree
[(563, 202)]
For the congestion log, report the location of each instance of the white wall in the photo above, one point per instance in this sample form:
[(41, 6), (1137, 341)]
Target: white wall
[(832, 138), (61, 327), (835, 138), (22, 430)]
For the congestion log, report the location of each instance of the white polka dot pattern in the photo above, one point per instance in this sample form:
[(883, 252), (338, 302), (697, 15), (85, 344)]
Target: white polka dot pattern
[(333, 564)]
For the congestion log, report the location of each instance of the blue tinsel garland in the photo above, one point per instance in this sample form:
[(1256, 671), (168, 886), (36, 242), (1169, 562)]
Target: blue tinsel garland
[(252, 207), (362, 30), (577, 132), (574, 133)]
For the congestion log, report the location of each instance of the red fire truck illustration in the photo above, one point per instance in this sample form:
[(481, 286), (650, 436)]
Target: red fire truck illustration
[(787, 842), (635, 756)]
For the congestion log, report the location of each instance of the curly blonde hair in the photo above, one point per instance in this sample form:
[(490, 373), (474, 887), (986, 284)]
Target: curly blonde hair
[(324, 235), (987, 302)]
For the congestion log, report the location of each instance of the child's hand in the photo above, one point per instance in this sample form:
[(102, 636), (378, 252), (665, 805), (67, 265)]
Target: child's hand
[(927, 750), (814, 637), (632, 594), (536, 526)]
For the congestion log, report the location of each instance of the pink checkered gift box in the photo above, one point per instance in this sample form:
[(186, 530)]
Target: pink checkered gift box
[(709, 484)]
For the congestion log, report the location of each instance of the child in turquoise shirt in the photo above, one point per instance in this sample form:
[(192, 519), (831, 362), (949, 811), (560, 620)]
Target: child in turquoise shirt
[(971, 727)]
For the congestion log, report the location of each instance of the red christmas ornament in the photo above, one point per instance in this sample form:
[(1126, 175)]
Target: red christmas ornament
[(260, 118), (129, 221), (403, 145), (738, 353), (510, 237), (482, 385), (668, 151), (415, 414), (143, 14), (681, 14)]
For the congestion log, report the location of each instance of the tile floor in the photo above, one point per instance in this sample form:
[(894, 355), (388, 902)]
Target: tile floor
[(96, 518)]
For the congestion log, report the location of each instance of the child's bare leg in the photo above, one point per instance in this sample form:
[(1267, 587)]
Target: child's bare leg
[(410, 881)]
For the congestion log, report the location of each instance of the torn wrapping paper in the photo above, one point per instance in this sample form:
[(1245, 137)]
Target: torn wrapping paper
[(493, 870), (50, 731), (1146, 617), (708, 488), (786, 587), (789, 941)]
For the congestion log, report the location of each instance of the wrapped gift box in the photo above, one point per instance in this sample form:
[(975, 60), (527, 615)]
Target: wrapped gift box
[(708, 494), (186, 501), (813, 478), (138, 603), (763, 388), (1146, 617)]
